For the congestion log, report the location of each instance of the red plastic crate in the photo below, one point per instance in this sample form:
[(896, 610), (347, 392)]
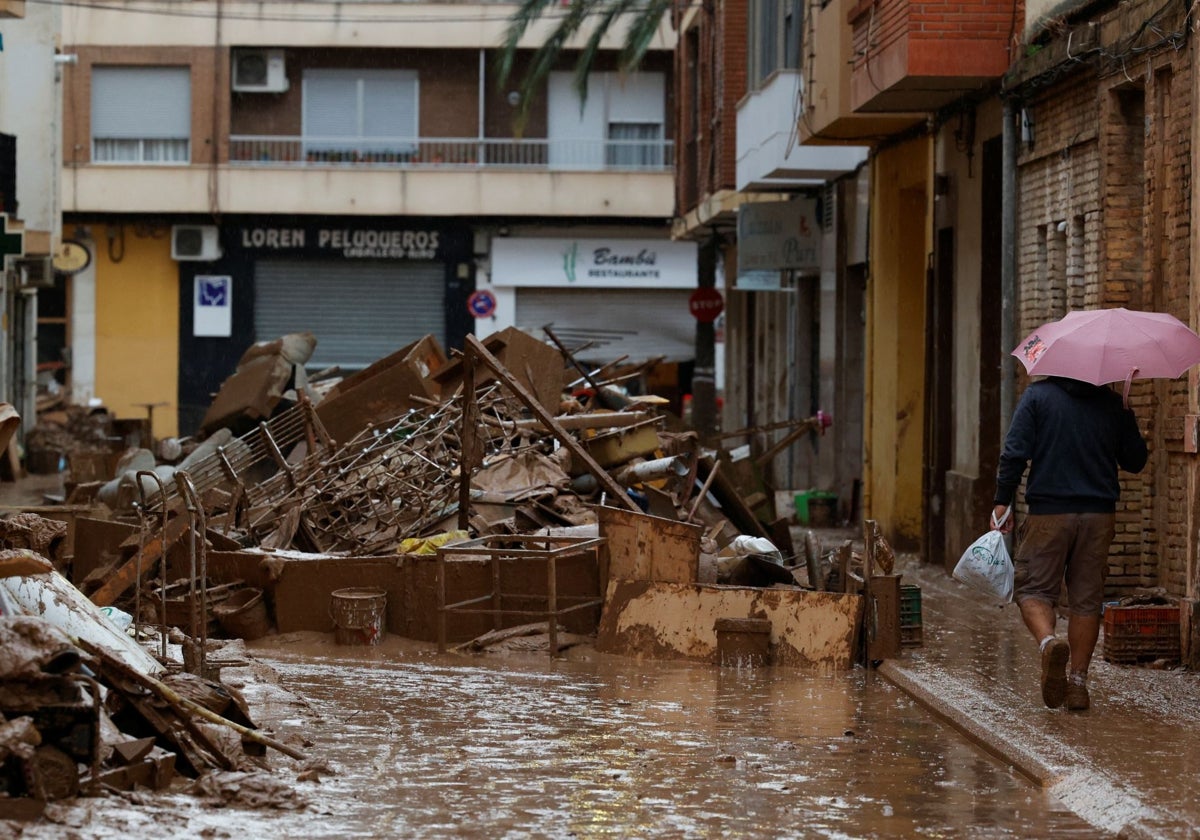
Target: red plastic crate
[(1141, 634)]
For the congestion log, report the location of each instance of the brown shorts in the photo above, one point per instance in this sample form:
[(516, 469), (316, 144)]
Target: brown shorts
[(1073, 546)]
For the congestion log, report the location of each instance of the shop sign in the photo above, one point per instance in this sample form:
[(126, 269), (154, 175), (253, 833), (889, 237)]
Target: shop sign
[(779, 236), (212, 306), (594, 263), (348, 243)]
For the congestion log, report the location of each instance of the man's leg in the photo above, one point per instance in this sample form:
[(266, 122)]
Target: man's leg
[(1082, 633), (1039, 618)]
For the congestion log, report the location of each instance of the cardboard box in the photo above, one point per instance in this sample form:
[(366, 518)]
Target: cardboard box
[(382, 391), (535, 364)]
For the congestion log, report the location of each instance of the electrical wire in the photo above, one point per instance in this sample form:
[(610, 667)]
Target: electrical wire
[(295, 18)]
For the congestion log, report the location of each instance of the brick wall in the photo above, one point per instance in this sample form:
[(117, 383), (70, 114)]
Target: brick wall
[(1103, 222), (714, 50)]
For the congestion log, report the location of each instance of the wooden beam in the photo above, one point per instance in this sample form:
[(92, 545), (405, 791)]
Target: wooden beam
[(125, 576), (520, 392)]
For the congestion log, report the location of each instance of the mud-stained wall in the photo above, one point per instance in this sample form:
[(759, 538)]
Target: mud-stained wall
[(300, 590), (894, 445), (810, 630), (968, 208), (137, 322), (1105, 213)]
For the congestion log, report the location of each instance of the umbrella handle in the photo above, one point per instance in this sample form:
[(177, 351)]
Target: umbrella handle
[(1128, 382)]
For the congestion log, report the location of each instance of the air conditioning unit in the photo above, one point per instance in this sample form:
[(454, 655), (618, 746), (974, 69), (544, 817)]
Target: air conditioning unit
[(35, 272), (195, 242), (259, 71)]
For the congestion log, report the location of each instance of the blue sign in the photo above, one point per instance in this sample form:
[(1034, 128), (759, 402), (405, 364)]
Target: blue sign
[(212, 310), (214, 291), (482, 303)]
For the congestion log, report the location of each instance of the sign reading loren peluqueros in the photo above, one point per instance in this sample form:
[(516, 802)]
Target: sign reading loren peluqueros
[(349, 243)]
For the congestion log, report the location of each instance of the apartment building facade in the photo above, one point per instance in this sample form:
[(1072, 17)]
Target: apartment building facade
[(241, 171), (919, 84), (30, 233), (764, 214)]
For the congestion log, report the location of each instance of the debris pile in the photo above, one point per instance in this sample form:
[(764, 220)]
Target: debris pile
[(474, 494)]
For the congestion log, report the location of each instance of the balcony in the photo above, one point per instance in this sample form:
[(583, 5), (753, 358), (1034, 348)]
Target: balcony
[(461, 153), (424, 176), (768, 154), (829, 115), (919, 55)]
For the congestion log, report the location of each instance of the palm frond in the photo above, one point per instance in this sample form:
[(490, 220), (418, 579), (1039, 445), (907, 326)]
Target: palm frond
[(646, 18)]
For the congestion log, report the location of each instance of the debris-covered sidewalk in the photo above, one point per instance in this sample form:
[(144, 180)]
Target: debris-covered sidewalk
[(1128, 765)]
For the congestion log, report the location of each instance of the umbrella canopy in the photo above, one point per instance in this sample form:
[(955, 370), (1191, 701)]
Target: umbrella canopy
[(1110, 345)]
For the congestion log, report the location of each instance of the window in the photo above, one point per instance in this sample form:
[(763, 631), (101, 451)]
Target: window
[(360, 115), (634, 145), (775, 37), (141, 114), (621, 125)]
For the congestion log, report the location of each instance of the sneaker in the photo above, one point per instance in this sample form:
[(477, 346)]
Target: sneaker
[(1077, 694), (1054, 672)]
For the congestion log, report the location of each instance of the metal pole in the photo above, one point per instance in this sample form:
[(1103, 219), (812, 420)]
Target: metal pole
[(1008, 267)]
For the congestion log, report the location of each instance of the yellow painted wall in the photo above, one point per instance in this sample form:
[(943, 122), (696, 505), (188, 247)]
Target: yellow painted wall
[(894, 434), (137, 324)]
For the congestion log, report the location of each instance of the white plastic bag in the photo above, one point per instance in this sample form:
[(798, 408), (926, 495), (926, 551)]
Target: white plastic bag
[(986, 566)]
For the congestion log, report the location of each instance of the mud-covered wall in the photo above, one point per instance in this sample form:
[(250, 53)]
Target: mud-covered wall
[(894, 435)]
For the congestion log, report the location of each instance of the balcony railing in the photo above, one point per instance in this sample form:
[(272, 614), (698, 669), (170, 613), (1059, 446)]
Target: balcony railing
[(459, 153)]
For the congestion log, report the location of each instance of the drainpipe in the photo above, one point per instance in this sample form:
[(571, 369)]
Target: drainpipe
[(1008, 267)]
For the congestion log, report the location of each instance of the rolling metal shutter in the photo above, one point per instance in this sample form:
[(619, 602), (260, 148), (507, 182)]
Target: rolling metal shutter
[(640, 323), (359, 310)]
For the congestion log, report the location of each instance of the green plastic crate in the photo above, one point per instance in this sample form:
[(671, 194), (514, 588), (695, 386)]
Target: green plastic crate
[(808, 501)]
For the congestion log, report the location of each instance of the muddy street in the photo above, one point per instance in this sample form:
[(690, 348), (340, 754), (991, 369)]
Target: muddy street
[(428, 745)]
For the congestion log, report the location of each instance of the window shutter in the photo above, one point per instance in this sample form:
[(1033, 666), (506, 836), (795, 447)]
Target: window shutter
[(141, 103), (389, 100), (330, 104)]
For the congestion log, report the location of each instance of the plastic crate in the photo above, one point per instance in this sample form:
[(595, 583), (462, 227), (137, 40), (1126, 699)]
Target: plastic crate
[(1141, 634), (910, 614), (817, 508)]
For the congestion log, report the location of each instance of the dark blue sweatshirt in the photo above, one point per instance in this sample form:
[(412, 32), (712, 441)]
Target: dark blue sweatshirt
[(1076, 435)]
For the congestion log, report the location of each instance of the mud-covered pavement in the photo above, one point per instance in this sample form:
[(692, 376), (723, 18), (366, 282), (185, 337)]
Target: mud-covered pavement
[(419, 744)]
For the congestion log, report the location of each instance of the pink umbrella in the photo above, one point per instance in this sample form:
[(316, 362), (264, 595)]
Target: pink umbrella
[(1110, 345)]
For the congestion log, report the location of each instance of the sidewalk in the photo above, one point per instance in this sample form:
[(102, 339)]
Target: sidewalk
[(1130, 765)]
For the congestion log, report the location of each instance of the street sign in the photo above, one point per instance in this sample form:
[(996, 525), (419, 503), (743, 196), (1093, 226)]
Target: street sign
[(706, 304), (481, 303)]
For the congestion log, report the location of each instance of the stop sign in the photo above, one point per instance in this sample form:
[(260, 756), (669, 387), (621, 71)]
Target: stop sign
[(706, 304)]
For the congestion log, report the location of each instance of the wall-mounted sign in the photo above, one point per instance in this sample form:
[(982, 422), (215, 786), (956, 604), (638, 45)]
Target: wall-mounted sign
[(71, 257), (594, 263), (212, 306), (350, 243), (779, 236), (481, 303)]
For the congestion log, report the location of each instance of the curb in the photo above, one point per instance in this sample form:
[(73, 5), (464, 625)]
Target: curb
[(957, 711), (1089, 792)]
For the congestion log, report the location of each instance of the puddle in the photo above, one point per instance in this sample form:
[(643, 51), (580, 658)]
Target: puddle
[(510, 747)]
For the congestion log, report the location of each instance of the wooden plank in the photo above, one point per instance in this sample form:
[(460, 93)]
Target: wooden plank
[(885, 592), (127, 574)]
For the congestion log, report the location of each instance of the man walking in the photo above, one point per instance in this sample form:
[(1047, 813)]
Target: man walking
[(1074, 436)]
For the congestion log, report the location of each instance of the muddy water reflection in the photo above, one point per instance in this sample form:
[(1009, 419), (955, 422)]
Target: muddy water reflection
[(428, 745)]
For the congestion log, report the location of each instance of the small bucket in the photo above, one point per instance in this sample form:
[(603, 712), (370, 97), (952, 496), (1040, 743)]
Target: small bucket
[(743, 642), (244, 615), (358, 616)]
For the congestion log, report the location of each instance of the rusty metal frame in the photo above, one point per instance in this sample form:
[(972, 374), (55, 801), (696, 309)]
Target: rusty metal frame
[(521, 548)]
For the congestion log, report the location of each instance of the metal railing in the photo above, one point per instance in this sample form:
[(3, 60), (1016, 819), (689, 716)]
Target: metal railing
[(459, 153)]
